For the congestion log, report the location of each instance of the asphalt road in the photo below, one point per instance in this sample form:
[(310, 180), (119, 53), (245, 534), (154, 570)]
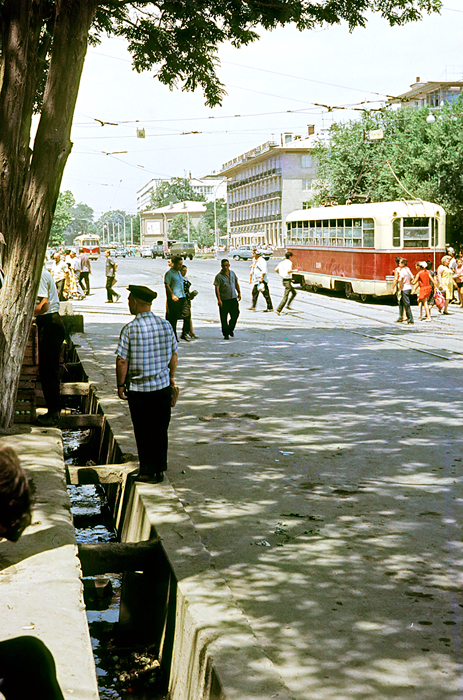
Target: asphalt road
[(319, 455)]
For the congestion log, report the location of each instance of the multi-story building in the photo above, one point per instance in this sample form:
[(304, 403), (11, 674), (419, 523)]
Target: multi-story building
[(265, 185), (210, 187), (155, 223), (430, 94)]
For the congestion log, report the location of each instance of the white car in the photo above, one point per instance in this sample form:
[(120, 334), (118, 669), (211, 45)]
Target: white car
[(145, 251)]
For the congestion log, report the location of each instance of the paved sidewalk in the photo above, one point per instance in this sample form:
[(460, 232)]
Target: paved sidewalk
[(322, 471)]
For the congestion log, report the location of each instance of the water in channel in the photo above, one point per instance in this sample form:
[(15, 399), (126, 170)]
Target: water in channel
[(122, 673)]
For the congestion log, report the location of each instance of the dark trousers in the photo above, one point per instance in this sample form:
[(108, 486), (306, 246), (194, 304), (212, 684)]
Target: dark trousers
[(230, 309), (84, 279), (404, 305), (289, 290), (150, 411), (51, 336), (60, 289), (174, 312), (265, 293), (109, 288), (28, 670)]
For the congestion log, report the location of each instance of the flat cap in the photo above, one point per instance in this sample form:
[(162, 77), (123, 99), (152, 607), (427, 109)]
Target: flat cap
[(142, 293)]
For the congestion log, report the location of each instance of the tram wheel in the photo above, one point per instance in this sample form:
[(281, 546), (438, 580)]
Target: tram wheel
[(348, 291), (363, 297)]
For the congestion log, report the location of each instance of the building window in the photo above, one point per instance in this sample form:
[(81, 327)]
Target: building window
[(306, 185), (306, 161)]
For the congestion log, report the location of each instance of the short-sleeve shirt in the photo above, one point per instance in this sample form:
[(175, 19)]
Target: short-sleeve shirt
[(226, 285), (259, 270), (84, 262), (59, 270), (76, 264), (110, 267), (284, 268), (405, 278), (147, 343), (174, 279), (47, 288)]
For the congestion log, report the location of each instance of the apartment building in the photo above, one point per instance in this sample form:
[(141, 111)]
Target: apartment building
[(210, 187), (267, 183), (429, 94)]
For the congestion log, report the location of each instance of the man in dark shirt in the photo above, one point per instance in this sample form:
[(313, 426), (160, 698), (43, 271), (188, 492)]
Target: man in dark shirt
[(228, 293)]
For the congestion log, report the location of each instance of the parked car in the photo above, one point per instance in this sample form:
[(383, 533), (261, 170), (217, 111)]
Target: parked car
[(145, 251), (244, 252), (182, 250), (120, 252)]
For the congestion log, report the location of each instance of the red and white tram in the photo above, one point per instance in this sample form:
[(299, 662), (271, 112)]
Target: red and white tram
[(90, 243), (352, 247)]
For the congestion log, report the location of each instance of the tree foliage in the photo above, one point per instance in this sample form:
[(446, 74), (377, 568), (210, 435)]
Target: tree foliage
[(43, 44), (414, 159), (61, 218), (178, 189)]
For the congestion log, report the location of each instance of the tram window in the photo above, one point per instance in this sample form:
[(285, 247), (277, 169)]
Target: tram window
[(305, 231), (332, 223), (368, 233), (415, 232), (312, 230), (357, 232), (396, 233)]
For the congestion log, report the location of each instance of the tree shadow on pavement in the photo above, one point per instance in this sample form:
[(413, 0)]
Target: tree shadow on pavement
[(322, 471)]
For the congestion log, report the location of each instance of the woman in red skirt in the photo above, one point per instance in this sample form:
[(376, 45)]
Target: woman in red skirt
[(423, 279)]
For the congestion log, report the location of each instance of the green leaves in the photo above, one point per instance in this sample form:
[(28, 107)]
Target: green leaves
[(426, 158)]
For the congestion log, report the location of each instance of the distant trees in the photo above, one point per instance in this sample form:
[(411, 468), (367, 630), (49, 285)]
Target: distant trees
[(414, 159), (61, 218), (43, 44), (178, 189)]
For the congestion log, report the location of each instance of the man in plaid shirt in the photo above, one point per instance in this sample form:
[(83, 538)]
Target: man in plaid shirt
[(145, 368)]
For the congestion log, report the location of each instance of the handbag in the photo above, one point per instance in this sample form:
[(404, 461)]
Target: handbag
[(439, 299)]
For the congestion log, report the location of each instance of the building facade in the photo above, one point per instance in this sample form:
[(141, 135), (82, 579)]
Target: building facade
[(429, 94), (210, 187), (265, 185), (155, 224)]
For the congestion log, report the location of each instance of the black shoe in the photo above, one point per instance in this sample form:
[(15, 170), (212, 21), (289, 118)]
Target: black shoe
[(231, 334), (185, 337), (144, 478), (226, 337), (158, 477), (49, 420), (267, 310)]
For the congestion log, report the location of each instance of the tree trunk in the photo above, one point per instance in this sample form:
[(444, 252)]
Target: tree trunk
[(30, 180)]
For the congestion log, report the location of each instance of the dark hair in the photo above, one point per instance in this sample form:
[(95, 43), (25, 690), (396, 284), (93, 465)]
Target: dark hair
[(397, 259), (176, 259), (288, 255), (404, 261), (223, 261), (15, 498)]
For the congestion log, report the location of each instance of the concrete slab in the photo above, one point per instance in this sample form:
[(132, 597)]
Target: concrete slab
[(40, 577)]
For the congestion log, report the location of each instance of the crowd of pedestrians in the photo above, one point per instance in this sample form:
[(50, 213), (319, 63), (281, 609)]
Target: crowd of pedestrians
[(434, 288)]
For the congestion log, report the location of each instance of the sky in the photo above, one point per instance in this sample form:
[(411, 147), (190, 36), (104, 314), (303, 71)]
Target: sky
[(276, 84)]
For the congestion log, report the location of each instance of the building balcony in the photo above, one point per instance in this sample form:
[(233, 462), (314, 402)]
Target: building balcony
[(258, 220), (261, 198), (253, 178)]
